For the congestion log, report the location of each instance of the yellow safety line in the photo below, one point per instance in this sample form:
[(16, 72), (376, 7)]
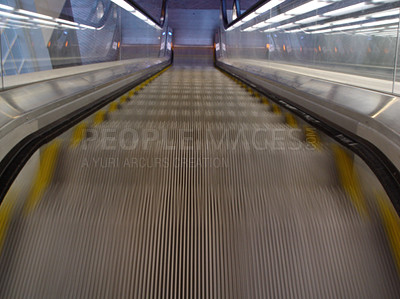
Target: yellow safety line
[(6, 211), (349, 179), (264, 100), (312, 137), (113, 106), (391, 222), (124, 98), (291, 121), (79, 134), (99, 117), (276, 109), (44, 176)]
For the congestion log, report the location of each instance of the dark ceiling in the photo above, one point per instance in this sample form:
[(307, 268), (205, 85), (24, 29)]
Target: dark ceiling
[(153, 7)]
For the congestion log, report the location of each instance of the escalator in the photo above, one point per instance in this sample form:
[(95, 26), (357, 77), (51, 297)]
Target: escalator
[(194, 187)]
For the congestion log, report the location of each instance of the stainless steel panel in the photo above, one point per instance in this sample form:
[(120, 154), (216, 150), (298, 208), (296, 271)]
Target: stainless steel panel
[(363, 112), (54, 99)]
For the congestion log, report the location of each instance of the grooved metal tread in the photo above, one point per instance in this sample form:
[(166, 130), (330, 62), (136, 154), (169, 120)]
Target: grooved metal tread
[(195, 219)]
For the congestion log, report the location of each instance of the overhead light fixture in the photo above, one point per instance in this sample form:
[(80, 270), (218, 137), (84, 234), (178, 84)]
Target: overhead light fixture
[(307, 7), (383, 22), (294, 30), (249, 29), (19, 22), (87, 27), (321, 31), (270, 30), (286, 26), (347, 21), (124, 5), (349, 9), (6, 7), (139, 15), (279, 18), (261, 25), (69, 27), (235, 25), (384, 1), (346, 28), (44, 22), (268, 6), (310, 20), (250, 17), (67, 22), (34, 14), (386, 13), (13, 16), (318, 27)]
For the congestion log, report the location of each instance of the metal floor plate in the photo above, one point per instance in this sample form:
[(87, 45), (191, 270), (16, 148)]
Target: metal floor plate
[(178, 216)]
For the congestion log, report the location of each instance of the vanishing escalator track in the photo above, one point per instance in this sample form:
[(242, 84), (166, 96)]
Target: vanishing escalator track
[(195, 189)]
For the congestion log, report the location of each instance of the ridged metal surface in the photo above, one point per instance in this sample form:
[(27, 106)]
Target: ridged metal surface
[(242, 222)]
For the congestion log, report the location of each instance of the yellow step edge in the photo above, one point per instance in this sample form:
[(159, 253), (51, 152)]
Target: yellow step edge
[(264, 100), (113, 107), (47, 165), (276, 109), (391, 223), (349, 179), (99, 117), (123, 99), (79, 134), (291, 120), (6, 212), (131, 93), (312, 137)]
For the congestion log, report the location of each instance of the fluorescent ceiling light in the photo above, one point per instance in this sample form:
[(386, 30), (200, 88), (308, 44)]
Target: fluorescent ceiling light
[(271, 4), (34, 14), (48, 27), (279, 18), (235, 26), (307, 7), (286, 26), (310, 20), (44, 22), (348, 21), (318, 27), (349, 9), (386, 13), (346, 28), (124, 5), (383, 22), (249, 29), (369, 29), (261, 25), (67, 22), (139, 15), (13, 16), (87, 27), (6, 7), (19, 22), (384, 1), (69, 27), (250, 17), (294, 30), (270, 30), (321, 31)]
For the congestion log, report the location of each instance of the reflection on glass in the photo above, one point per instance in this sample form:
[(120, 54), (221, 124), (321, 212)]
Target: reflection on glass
[(43, 35), (354, 37)]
